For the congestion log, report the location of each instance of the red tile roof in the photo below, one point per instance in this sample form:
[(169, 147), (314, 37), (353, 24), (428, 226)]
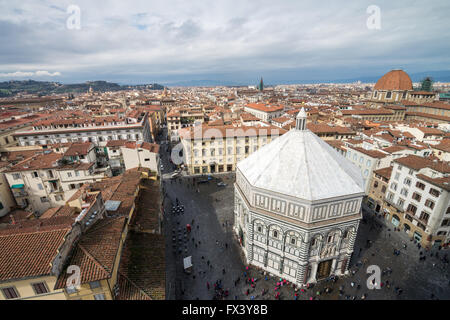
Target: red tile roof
[(29, 253), (96, 251)]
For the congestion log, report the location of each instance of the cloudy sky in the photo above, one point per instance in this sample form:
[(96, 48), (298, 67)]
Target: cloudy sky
[(166, 41)]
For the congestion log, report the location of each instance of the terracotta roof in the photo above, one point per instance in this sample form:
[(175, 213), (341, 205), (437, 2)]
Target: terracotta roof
[(29, 253), (116, 143), (394, 80), (394, 149), (96, 251), (245, 116), (282, 119), (41, 161), (152, 147), (372, 153), (384, 172), (77, 149), (443, 182), (265, 108), (417, 163), (443, 146)]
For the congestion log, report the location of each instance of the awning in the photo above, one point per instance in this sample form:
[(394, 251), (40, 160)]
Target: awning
[(17, 186)]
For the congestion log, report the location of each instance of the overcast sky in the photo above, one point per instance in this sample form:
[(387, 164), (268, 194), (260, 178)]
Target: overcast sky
[(162, 41)]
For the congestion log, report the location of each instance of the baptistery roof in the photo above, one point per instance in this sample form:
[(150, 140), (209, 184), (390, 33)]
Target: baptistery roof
[(301, 165)]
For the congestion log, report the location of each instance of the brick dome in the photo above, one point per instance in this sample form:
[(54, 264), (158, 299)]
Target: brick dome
[(394, 80)]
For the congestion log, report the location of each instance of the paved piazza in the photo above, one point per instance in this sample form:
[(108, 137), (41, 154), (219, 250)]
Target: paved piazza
[(211, 240)]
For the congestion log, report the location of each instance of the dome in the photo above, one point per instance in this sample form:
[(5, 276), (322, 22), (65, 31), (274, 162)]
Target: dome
[(394, 80), (300, 164)]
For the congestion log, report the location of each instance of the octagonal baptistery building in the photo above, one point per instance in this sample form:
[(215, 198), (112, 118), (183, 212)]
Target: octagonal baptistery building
[(297, 207)]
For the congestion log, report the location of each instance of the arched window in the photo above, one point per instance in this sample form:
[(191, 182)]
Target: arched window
[(275, 233)]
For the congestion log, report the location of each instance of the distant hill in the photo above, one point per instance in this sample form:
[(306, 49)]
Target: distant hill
[(11, 88)]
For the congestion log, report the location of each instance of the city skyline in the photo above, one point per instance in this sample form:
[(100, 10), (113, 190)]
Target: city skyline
[(229, 42)]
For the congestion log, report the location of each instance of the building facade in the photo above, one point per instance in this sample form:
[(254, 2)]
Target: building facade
[(291, 221)]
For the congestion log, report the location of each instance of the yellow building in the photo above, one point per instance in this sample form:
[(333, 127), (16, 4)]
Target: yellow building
[(29, 254), (98, 255)]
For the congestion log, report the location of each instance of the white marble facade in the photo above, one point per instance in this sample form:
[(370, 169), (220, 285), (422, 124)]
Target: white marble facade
[(301, 240)]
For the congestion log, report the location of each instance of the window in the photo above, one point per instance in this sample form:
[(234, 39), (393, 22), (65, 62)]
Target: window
[(400, 202), (397, 175), (259, 229), (1, 206), (361, 160), (411, 171), (40, 186), (369, 162), (77, 173), (383, 189), (16, 176), (10, 293), (407, 181), (424, 216), (404, 192), (147, 160), (293, 241), (39, 288), (394, 186), (375, 184), (275, 234), (388, 95), (44, 199), (445, 223), (412, 208), (94, 284), (416, 196), (434, 192), (100, 296), (420, 185), (35, 174), (429, 204)]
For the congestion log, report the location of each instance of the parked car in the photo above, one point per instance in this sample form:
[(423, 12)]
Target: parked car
[(221, 184)]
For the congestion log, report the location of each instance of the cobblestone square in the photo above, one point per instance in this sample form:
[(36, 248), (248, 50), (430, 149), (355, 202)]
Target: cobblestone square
[(216, 255)]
